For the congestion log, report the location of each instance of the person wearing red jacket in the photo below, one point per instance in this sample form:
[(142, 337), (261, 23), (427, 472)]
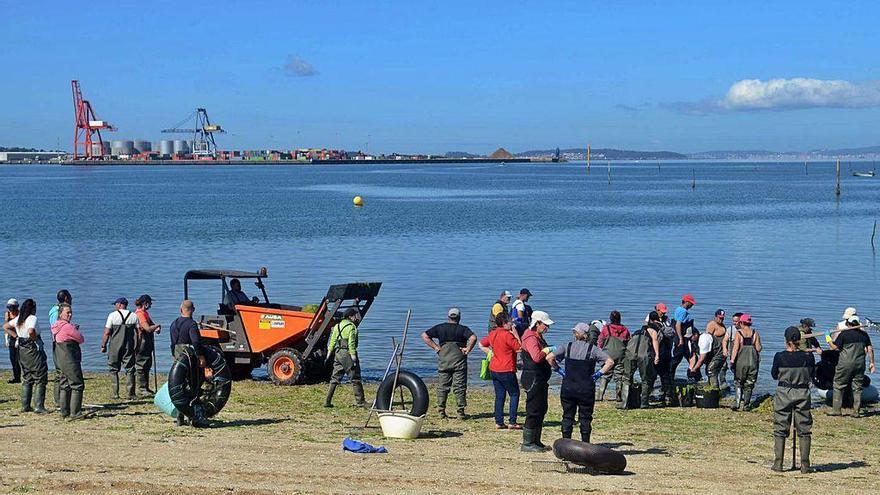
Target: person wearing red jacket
[(504, 344), (613, 339)]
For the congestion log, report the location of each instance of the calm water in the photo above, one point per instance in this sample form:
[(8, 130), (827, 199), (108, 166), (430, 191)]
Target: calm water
[(768, 239)]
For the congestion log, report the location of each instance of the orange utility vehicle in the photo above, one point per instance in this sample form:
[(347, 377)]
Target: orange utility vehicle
[(291, 341)]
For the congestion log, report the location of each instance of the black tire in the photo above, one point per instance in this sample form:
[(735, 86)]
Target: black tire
[(588, 455), (212, 394), (410, 381), (285, 367)]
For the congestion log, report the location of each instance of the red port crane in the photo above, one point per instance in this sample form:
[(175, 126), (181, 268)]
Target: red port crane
[(87, 125)]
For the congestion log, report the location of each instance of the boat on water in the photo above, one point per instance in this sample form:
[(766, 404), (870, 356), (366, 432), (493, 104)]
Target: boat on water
[(864, 174)]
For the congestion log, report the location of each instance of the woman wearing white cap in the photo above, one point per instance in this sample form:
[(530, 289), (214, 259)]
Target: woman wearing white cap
[(536, 372), (854, 345)]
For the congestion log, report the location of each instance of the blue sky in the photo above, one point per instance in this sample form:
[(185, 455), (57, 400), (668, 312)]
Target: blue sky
[(441, 76)]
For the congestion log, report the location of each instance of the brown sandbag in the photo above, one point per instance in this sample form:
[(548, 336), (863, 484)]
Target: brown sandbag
[(589, 455)]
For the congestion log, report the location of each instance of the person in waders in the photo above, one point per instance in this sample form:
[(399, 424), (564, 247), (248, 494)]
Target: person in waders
[(12, 341), (145, 344), (666, 337), (68, 358), (642, 355), (854, 345), (715, 363), (727, 346), (187, 341), (613, 339), (63, 297), (578, 391), (342, 347), (808, 343), (118, 343), (502, 305), (682, 321), (536, 371), (745, 359), (31, 356), (794, 369), (454, 342)]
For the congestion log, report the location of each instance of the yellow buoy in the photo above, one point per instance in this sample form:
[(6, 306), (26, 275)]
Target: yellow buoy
[(358, 201)]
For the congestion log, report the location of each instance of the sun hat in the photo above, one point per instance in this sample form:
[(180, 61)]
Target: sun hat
[(581, 328), (849, 312), (541, 316), (11, 302)]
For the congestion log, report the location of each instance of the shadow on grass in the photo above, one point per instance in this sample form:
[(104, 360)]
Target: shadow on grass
[(838, 466), (98, 414), (440, 434), (15, 425), (247, 422), (481, 416)]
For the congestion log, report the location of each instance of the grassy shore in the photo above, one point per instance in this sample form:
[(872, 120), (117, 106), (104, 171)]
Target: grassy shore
[(272, 439)]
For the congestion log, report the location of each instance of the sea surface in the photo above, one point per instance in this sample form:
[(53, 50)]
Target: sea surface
[(770, 239)]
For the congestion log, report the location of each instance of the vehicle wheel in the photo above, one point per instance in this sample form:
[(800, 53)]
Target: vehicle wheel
[(286, 367), (415, 389), (241, 371)]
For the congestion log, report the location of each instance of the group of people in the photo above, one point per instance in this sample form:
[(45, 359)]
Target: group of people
[(520, 358), (128, 342)]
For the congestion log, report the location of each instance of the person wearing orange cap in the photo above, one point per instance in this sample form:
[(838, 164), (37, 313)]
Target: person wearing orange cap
[(682, 320), (746, 358), (666, 342)]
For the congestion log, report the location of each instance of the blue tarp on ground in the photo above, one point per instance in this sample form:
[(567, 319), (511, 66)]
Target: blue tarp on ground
[(359, 447)]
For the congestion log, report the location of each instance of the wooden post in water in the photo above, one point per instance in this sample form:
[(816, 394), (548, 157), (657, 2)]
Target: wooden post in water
[(658, 167), (588, 159), (806, 169), (609, 171), (873, 233), (838, 177), (693, 178)]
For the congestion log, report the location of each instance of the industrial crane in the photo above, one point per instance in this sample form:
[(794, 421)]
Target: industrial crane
[(86, 125), (203, 133)]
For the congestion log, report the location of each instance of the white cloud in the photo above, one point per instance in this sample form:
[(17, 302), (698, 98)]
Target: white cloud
[(299, 67), (788, 94)]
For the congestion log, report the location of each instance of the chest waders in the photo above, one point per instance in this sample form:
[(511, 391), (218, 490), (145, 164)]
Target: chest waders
[(849, 372), (715, 364), (534, 379), (68, 358), (577, 394), (639, 356), (121, 354), (616, 350), (791, 405), (34, 374), (344, 364), (746, 371), (452, 375), (144, 361)]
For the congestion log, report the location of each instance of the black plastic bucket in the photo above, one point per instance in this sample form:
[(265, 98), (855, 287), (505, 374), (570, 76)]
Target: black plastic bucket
[(707, 399)]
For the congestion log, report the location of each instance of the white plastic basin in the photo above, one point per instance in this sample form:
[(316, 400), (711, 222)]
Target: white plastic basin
[(400, 425)]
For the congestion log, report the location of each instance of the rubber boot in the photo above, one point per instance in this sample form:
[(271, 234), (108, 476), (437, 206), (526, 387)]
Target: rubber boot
[(529, 444), (836, 403), (747, 399), (857, 404), (441, 411), (624, 397), (600, 389), (40, 398), (144, 384), (56, 390), (537, 438), (736, 404), (359, 394), (645, 403), (778, 453), (567, 430), (328, 402), (114, 385), (130, 384), (26, 393), (64, 402), (76, 402), (180, 420), (805, 455), (586, 431), (199, 420)]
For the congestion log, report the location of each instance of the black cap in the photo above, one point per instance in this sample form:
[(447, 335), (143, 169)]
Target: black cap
[(121, 300), (144, 299), (526, 292), (808, 322), (792, 334), (350, 312), (719, 312)]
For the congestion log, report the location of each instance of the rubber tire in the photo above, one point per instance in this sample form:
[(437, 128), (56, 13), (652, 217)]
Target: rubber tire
[(213, 400), (295, 357), (589, 455), (411, 382)]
